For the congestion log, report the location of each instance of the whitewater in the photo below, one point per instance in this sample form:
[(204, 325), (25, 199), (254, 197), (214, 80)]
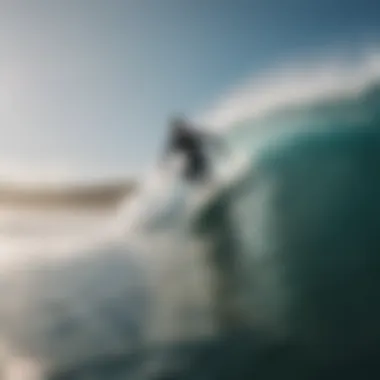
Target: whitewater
[(278, 268)]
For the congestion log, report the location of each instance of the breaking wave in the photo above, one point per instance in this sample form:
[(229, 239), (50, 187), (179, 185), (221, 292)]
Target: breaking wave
[(278, 267)]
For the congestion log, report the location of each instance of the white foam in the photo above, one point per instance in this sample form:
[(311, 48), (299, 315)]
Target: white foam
[(297, 82)]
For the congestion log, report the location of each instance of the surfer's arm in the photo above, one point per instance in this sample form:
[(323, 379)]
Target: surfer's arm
[(208, 137)]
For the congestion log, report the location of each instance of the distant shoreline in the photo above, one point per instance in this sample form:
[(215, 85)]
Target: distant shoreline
[(91, 196)]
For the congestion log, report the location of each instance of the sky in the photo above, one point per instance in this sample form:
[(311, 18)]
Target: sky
[(87, 86)]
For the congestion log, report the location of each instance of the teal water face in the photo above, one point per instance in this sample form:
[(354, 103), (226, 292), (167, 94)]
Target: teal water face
[(306, 222), (310, 236)]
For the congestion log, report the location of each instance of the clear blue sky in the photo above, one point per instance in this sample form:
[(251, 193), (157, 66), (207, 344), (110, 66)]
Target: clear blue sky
[(86, 86)]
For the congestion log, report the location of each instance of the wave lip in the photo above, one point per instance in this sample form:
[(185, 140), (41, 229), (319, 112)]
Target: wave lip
[(300, 82)]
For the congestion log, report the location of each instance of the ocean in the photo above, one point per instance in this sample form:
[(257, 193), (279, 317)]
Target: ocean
[(274, 276)]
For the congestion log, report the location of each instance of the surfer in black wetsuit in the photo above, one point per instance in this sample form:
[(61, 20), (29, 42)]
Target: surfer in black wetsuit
[(191, 142)]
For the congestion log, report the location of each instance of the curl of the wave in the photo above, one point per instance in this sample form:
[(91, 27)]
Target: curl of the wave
[(308, 214)]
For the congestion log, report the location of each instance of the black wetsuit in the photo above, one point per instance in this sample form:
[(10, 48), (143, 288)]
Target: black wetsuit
[(190, 143)]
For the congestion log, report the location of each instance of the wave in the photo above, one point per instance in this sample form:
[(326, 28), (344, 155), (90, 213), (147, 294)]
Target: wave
[(279, 269)]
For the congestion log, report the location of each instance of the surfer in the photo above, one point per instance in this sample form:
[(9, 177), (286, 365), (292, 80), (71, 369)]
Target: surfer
[(192, 143)]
